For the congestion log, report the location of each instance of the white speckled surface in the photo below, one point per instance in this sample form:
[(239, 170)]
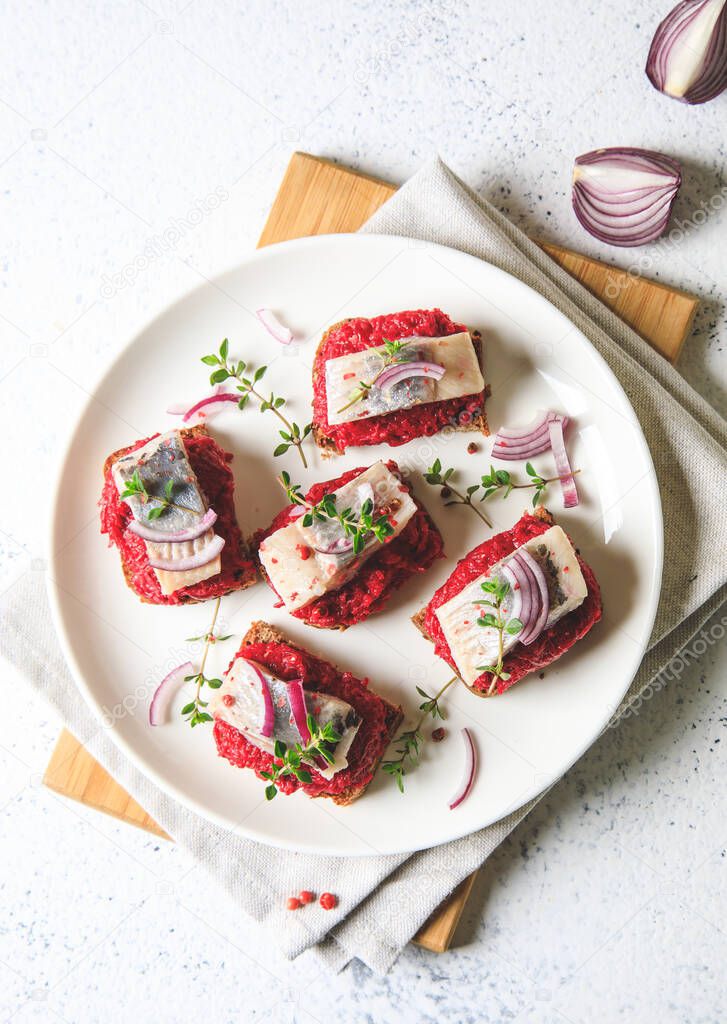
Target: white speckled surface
[(610, 903)]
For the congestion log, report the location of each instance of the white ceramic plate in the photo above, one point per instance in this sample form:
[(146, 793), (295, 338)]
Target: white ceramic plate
[(119, 648)]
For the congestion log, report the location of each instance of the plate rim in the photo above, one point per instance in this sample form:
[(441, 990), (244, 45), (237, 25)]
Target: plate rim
[(53, 589)]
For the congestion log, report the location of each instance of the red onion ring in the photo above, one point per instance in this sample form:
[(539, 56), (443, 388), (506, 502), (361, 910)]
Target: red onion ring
[(470, 770), (529, 593), (539, 615), (624, 196), (210, 401), (273, 326), (269, 720), (398, 372), (178, 536), (518, 443), (195, 561), (165, 691), (562, 465), (516, 591), (688, 54), (297, 706)]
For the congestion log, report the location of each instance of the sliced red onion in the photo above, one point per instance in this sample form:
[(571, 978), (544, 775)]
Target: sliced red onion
[(274, 327), (688, 55), (515, 443), (623, 196), (165, 691), (269, 720), (159, 537), (530, 591), (470, 770), (539, 614), (516, 604), (398, 372), (562, 465), (211, 405), (195, 561), (297, 706)]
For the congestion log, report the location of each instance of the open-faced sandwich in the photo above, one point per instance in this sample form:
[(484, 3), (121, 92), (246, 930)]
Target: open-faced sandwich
[(168, 506), (513, 605), (337, 554), (299, 722), (396, 377)]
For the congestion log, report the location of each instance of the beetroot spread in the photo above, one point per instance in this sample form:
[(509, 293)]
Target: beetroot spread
[(551, 643), (413, 551), (377, 721), (398, 427), (210, 463)]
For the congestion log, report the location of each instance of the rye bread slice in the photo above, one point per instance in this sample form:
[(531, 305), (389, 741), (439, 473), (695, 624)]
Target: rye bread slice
[(328, 445), (263, 633), (186, 432)]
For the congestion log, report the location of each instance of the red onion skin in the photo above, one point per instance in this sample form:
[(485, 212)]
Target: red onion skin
[(224, 397), (211, 552), (563, 466), (713, 79), (544, 600), (269, 721), (158, 537), (534, 439)]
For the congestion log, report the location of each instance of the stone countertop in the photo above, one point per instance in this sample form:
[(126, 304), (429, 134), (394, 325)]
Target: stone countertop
[(118, 122)]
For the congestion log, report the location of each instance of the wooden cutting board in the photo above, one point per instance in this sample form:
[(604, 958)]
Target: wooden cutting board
[(319, 197)]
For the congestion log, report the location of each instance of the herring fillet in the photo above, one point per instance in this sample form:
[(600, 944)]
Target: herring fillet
[(455, 352), (241, 686), (159, 460), (295, 559)]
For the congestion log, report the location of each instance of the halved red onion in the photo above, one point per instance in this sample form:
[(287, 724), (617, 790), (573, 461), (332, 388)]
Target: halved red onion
[(297, 706), (274, 327), (541, 607), (562, 465), (159, 537), (165, 691), (623, 196), (470, 771), (518, 443), (398, 372), (269, 720), (688, 55), (195, 561)]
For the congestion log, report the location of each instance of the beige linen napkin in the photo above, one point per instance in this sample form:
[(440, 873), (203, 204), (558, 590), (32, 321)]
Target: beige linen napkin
[(386, 899)]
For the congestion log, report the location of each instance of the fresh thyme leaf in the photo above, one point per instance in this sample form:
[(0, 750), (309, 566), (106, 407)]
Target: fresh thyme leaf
[(497, 621), (411, 740), (358, 529), (435, 477), (228, 369)]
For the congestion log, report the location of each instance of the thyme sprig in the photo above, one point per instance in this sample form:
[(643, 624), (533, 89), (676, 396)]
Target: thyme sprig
[(437, 478), (293, 435), (194, 713), (291, 760), (392, 352), (497, 591), (411, 739), (495, 482), (500, 480), (359, 529), (135, 487)]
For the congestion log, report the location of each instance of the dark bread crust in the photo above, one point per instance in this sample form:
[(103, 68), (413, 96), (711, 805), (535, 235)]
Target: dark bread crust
[(186, 432), (263, 633), (419, 619), (328, 445)]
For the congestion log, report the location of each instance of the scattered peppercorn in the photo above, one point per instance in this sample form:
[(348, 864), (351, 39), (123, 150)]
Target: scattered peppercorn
[(228, 700), (446, 493), (472, 448), (306, 896), (541, 675), (294, 903), (328, 901), (438, 735)]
